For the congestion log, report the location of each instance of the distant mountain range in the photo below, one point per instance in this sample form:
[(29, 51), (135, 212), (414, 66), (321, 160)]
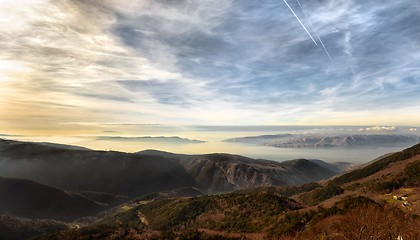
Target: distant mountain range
[(347, 141), (312, 141), (174, 139), (259, 139)]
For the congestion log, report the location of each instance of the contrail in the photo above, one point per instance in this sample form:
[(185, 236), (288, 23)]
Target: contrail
[(300, 22), (319, 38)]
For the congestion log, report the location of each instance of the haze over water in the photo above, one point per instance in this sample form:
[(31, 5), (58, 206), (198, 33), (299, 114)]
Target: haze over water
[(130, 138)]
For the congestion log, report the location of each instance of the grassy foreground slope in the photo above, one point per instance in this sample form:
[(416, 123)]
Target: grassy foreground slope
[(399, 170)]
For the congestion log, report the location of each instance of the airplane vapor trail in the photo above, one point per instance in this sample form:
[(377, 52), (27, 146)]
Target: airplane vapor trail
[(312, 26), (300, 22)]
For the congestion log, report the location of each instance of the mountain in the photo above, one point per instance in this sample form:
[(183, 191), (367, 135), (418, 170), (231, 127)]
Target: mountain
[(220, 172), (174, 139), (116, 173), (313, 141), (29, 199), (259, 139), (87, 170), (63, 146), (378, 201), (346, 141)]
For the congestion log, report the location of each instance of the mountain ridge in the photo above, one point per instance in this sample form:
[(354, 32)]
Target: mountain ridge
[(172, 139), (328, 141), (134, 174), (356, 140), (232, 172), (88, 170)]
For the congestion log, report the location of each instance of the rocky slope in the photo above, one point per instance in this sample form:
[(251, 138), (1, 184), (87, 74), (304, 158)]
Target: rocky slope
[(226, 172)]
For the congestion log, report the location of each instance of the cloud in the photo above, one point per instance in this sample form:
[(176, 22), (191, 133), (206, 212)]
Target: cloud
[(379, 129), (171, 92), (211, 62)]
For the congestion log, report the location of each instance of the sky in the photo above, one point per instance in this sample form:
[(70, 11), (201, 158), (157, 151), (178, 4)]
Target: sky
[(75, 66)]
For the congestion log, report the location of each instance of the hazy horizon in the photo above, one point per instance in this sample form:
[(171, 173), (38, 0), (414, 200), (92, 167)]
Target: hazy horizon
[(132, 138)]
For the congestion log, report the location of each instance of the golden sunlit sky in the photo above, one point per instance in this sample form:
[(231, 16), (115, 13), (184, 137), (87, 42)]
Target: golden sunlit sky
[(72, 67)]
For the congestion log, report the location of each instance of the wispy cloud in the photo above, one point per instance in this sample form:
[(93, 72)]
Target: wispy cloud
[(212, 62)]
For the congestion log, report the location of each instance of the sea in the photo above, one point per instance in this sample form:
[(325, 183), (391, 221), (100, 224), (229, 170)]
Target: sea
[(129, 138)]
